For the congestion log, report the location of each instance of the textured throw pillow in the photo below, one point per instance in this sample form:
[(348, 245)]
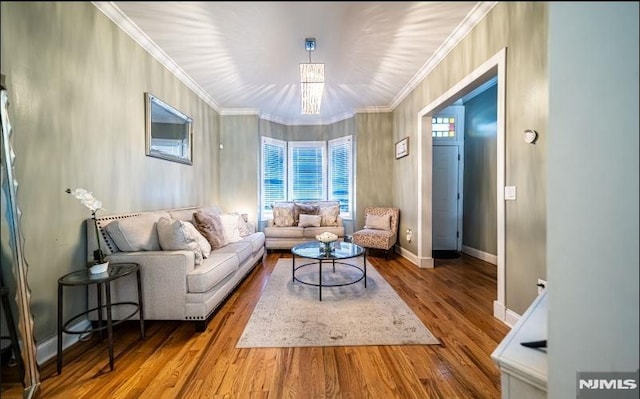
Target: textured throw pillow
[(230, 224), (283, 214), (329, 215), (210, 226), (303, 209), (376, 222), (309, 220), (243, 225), (136, 233), (175, 235)]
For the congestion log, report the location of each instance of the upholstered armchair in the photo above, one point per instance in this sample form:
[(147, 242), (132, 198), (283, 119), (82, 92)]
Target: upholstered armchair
[(380, 230)]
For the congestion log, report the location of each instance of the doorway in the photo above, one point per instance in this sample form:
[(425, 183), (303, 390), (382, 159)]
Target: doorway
[(495, 66)]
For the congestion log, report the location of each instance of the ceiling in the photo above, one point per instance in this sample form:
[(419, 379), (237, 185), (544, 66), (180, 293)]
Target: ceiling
[(242, 57)]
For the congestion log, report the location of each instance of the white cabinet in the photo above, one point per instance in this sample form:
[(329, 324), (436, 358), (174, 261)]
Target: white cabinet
[(523, 371)]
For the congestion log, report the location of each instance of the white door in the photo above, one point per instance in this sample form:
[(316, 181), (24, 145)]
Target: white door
[(445, 197)]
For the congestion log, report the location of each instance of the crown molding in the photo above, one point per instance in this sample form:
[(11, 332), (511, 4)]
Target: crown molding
[(114, 13), (239, 111), (373, 110), (471, 20), (302, 122)]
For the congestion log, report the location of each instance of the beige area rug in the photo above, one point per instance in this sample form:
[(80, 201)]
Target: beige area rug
[(289, 314)]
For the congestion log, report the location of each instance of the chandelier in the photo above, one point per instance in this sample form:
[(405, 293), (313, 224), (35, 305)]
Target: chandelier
[(311, 81)]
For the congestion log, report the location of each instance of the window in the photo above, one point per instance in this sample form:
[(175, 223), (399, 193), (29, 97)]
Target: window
[(443, 127), (274, 172), (307, 170), (341, 173)]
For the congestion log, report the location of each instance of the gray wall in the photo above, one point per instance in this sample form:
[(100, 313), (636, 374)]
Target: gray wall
[(479, 214), (593, 191), (76, 90), (521, 27)]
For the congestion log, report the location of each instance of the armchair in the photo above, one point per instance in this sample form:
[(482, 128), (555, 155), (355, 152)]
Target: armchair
[(380, 230)]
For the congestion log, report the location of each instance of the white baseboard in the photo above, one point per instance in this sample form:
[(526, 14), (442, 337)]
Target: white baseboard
[(408, 255), (512, 318), (476, 253), (507, 316), (49, 349)]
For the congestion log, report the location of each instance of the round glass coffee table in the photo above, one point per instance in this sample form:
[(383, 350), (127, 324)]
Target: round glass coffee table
[(340, 251)]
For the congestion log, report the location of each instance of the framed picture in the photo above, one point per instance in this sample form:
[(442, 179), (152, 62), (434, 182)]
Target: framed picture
[(402, 148)]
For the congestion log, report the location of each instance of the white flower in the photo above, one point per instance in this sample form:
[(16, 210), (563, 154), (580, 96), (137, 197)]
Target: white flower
[(326, 237), (87, 199)]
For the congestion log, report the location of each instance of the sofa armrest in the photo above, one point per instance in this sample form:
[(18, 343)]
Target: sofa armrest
[(164, 280), (270, 222), (340, 222)]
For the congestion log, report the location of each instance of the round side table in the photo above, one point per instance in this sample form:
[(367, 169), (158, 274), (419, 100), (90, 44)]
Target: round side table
[(103, 284)]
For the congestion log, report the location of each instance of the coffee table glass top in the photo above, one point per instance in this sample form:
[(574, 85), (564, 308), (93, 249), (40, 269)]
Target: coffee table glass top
[(341, 250)]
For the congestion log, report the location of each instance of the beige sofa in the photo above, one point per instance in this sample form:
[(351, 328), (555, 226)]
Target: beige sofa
[(174, 287), (285, 230)]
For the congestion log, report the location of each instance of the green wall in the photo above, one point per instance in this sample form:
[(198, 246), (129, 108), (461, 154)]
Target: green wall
[(76, 86), (521, 28)]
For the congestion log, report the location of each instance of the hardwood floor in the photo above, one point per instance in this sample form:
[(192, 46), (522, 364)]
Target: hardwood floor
[(454, 300)]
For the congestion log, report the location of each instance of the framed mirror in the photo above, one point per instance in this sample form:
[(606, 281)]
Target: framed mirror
[(169, 132)]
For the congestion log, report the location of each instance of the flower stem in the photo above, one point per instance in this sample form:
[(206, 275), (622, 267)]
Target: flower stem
[(95, 225)]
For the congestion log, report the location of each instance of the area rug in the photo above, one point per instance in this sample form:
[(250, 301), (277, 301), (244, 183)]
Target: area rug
[(290, 314)]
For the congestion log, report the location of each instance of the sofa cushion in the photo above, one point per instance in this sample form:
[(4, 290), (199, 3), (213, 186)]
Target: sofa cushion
[(312, 232), (211, 228), (183, 214), (211, 210), (231, 227), (242, 249), (213, 270), (378, 222), (309, 220), (283, 214), (175, 235), (303, 209), (284, 232), (256, 240), (136, 233), (329, 215)]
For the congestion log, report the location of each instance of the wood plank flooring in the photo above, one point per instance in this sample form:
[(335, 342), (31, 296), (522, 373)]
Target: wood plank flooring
[(454, 300)]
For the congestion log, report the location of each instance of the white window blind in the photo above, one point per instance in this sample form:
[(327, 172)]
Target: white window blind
[(341, 173), (274, 172), (307, 170)]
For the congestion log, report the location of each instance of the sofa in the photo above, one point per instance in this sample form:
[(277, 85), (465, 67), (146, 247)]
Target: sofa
[(296, 222), (180, 281)]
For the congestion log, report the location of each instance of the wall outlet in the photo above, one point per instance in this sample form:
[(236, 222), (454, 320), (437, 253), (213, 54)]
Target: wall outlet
[(542, 284)]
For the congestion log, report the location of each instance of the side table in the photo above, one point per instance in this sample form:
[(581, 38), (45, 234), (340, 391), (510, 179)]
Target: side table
[(103, 283)]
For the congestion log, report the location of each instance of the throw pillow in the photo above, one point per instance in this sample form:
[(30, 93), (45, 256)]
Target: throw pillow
[(243, 226), (210, 226), (376, 222), (176, 235), (136, 233), (283, 214), (309, 220), (329, 215), (230, 225), (300, 209)]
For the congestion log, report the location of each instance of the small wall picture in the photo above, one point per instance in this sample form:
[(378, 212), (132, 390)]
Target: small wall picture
[(402, 148)]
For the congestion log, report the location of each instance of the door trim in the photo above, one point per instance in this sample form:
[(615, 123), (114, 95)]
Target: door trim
[(496, 65)]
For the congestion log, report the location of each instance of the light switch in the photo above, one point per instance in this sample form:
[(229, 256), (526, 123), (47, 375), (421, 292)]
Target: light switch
[(510, 193)]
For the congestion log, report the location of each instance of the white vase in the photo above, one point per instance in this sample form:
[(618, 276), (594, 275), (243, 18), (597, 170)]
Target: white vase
[(99, 268)]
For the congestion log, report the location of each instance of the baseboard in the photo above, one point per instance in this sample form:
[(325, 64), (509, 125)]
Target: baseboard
[(476, 253), (507, 316), (48, 349), (512, 318), (408, 255)]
